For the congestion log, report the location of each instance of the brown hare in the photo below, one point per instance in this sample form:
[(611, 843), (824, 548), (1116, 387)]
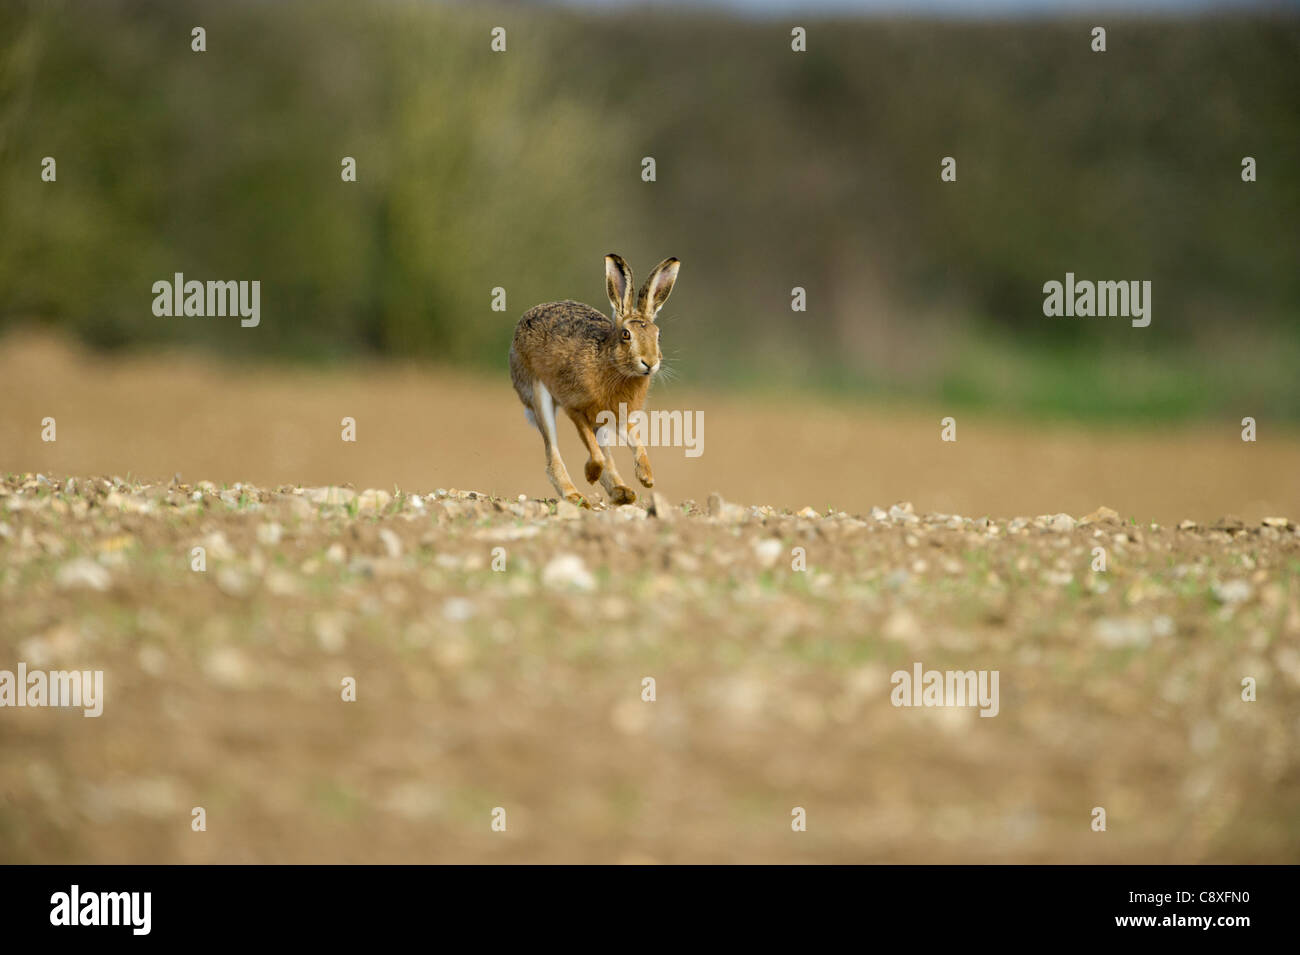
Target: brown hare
[(568, 355)]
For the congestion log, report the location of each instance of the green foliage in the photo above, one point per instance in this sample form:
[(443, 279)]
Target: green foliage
[(521, 169)]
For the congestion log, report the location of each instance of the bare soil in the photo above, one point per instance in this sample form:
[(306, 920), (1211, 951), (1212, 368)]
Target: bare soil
[(520, 687), (499, 646)]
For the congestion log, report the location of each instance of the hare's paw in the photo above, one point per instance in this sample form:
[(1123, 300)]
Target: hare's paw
[(573, 497), (644, 474), (593, 470), (622, 494)]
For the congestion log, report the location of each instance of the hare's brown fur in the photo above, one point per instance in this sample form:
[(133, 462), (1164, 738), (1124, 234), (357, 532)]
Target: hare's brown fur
[(568, 356)]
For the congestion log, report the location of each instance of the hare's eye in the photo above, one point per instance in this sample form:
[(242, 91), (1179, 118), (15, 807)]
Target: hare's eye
[(627, 335)]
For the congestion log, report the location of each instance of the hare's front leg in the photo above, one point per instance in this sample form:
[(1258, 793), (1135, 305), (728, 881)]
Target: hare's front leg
[(615, 486), (643, 472), (544, 410), (595, 459), (601, 463), (635, 436)]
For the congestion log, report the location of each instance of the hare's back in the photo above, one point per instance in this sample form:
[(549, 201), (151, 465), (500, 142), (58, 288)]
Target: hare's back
[(564, 321)]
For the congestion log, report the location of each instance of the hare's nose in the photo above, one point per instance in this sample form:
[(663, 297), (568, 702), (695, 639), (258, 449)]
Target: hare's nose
[(647, 366)]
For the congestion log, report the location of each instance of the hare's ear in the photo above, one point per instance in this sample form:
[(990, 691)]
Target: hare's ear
[(658, 287), (618, 283)]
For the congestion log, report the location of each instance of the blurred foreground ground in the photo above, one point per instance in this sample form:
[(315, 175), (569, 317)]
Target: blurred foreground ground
[(520, 687), (420, 427)]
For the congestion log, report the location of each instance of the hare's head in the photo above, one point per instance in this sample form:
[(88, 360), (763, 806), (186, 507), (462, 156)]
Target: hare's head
[(635, 342)]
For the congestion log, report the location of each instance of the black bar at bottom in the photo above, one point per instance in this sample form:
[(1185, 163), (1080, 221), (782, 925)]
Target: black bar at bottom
[(333, 904)]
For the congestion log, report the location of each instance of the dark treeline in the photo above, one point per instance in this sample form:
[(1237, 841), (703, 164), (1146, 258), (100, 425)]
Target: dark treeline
[(774, 169)]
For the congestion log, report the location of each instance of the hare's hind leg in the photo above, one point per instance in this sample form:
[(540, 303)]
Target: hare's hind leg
[(544, 412)]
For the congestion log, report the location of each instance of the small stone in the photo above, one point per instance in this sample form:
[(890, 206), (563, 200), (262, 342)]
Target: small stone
[(660, 508), (302, 508), (1231, 592), (1061, 523), (725, 510), (902, 625), (567, 572), (458, 610), (281, 583), (330, 496), (83, 573), (392, 543), (1101, 515), (902, 513), (768, 552), (567, 512), (374, 500), (1281, 522), (228, 666), (217, 546), (1122, 632), (331, 631), (232, 582), (808, 514)]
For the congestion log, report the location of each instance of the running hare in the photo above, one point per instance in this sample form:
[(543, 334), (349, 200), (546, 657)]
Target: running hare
[(568, 355)]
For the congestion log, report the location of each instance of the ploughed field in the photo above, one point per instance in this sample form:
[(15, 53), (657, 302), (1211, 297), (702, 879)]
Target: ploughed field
[(498, 652)]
